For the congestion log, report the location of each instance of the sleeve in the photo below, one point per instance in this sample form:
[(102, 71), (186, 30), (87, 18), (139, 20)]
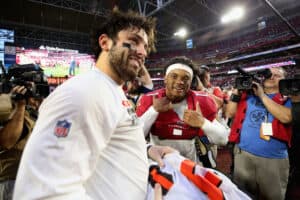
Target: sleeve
[(145, 88), (218, 92), (146, 113), (63, 149), (148, 118), (208, 107), (216, 132)]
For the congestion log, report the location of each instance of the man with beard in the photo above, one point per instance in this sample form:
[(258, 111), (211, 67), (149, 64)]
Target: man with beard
[(176, 115), (87, 142)]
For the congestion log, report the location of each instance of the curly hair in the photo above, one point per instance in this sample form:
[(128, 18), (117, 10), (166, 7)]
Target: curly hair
[(118, 21)]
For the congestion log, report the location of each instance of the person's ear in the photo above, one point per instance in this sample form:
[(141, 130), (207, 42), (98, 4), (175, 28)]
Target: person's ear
[(165, 79), (104, 42)]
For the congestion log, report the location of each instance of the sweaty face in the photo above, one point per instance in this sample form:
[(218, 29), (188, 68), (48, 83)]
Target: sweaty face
[(177, 83), (125, 61), (273, 81)]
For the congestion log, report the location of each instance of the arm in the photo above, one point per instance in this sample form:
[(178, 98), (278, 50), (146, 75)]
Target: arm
[(11, 132), (280, 112), (148, 110), (148, 118), (217, 133), (58, 167), (145, 78), (231, 106)]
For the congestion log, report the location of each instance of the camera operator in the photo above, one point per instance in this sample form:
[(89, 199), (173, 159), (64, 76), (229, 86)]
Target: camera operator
[(261, 129), (14, 133), (294, 177)]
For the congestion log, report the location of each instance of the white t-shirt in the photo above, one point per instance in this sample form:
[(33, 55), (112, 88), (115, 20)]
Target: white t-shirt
[(87, 144)]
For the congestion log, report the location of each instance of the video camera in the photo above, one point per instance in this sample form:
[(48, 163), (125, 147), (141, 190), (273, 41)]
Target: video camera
[(290, 86), (29, 76), (245, 81)]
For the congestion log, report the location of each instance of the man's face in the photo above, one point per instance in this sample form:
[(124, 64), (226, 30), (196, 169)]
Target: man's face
[(273, 81), (177, 83), (207, 79), (127, 62)]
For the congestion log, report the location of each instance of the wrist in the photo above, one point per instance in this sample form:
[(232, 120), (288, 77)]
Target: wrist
[(262, 96)]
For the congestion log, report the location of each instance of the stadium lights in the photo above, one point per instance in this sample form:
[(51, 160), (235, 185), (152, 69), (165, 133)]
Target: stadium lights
[(234, 14), (181, 33)]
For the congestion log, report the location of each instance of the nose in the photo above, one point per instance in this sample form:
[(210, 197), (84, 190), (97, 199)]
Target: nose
[(141, 51), (180, 81)]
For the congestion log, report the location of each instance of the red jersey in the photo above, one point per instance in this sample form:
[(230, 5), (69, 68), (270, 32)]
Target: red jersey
[(166, 122)]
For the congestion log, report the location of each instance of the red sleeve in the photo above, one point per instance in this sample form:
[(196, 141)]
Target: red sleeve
[(143, 104), (208, 107), (218, 92)]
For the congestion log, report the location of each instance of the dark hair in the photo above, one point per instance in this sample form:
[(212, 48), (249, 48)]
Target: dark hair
[(180, 59), (201, 72), (118, 21)]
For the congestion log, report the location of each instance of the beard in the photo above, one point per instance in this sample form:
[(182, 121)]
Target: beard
[(118, 59), (175, 97)]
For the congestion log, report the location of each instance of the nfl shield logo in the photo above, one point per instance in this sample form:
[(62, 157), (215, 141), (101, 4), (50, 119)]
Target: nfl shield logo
[(62, 128)]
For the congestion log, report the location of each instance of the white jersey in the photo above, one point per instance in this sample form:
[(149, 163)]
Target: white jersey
[(87, 144), (184, 189)]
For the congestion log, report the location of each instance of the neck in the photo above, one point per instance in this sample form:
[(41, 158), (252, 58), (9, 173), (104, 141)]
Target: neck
[(103, 64)]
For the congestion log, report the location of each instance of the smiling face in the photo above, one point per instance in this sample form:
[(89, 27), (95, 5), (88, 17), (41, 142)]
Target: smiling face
[(177, 82), (127, 62)]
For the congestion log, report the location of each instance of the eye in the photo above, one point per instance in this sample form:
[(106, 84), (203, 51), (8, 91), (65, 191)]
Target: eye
[(173, 76), (186, 78), (133, 40)]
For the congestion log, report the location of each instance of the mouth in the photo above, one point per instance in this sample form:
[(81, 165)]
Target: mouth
[(179, 89)]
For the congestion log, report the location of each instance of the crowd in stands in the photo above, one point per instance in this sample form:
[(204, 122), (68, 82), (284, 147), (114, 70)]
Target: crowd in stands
[(272, 36)]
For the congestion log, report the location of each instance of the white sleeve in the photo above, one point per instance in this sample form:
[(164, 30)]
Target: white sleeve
[(148, 118), (215, 132), (55, 167)]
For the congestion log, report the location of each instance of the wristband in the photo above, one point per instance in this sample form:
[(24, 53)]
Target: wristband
[(235, 98)]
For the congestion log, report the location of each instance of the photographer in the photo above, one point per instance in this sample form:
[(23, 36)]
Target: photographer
[(14, 133), (261, 129), (294, 177)]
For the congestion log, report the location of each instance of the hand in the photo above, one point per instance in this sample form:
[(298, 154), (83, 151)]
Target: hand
[(158, 192), (142, 72), (258, 90), (157, 153), (18, 92), (295, 98), (161, 104), (194, 118)]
